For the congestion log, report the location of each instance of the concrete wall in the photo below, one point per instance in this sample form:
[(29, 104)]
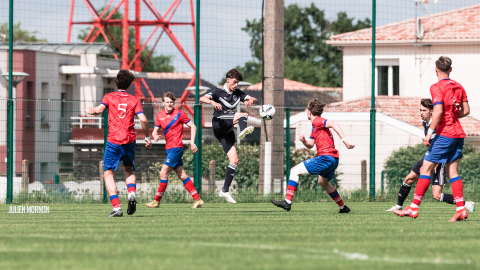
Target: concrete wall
[(416, 76)]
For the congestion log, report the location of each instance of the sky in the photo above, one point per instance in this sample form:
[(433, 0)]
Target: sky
[(223, 45)]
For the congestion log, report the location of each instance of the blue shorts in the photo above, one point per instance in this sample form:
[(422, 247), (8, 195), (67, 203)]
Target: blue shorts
[(444, 149), (116, 152), (323, 165), (174, 157)]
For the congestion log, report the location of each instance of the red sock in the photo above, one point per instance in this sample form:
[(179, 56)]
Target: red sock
[(292, 186), (336, 198), (161, 190), (422, 186), (457, 190), (191, 188), (131, 188), (115, 201)]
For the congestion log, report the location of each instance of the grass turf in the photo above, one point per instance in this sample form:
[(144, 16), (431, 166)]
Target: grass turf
[(242, 236)]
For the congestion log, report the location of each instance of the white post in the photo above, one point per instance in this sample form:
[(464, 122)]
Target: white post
[(376, 81), (268, 168), (390, 81)]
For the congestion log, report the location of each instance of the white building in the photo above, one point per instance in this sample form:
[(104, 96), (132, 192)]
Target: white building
[(404, 65)]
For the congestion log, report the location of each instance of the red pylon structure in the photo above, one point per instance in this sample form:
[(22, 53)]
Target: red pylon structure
[(100, 21)]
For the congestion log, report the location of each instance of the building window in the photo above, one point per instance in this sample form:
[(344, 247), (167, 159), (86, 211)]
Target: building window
[(388, 80)]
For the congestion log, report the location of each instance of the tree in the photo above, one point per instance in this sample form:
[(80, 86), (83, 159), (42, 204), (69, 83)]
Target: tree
[(308, 58), (20, 35), (156, 63)]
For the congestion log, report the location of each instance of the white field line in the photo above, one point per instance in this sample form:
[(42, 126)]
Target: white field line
[(323, 253)]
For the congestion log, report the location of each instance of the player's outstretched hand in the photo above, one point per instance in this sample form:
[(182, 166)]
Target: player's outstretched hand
[(248, 102), (216, 105), (88, 109), (148, 144), (349, 146), (156, 137), (426, 141), (302, 139), (194, 148)]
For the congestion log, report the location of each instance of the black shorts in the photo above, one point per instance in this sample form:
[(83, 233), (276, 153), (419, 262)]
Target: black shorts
[(223, 124), (438, 174), (227, 140)]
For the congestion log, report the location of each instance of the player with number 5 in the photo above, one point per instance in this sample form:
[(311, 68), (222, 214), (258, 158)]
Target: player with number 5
[(122, 107)]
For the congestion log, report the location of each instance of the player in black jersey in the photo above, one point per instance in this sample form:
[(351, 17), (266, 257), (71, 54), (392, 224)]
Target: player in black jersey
[(438, 174), (225, 99)]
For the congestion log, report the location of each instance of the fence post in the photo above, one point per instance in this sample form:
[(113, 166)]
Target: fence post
[(25, 179), (287, 145), (211, 178), (197, 181), (10, 160), (383, 177), (372, 111), (364, 174), (105, 135)]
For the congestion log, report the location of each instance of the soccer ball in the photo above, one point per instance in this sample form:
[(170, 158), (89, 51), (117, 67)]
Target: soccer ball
[(267, 112)]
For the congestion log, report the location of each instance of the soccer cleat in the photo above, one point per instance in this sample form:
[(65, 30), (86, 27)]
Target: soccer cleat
[(227, 196), (470, 206), (117, 213), (153, 204), (395, 207), (246, 131), (282, 204), (345, 209), (459, 216), (408, 212), (132, 206), (197, 203)]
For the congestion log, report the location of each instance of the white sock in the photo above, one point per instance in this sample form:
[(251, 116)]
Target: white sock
[(398, 206), (414, 205), (341, 207), (131, 194), (289, 202), (117, 208), (460, 208)]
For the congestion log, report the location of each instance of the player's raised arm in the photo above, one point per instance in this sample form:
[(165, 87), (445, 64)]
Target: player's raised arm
[(309, 143), (193, 133), (207, 98), (335, 126), (249, 101), (95, 111), (146, 130)]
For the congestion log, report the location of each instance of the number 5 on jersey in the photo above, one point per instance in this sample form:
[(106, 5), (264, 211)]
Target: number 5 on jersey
[(122, 110)]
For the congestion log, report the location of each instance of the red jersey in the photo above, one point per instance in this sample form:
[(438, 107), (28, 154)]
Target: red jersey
[(323, 138), (451, 94), (121, 109), (172, 125)]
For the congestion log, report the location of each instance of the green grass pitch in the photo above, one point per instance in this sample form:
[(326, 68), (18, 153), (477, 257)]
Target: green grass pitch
[(242, 236)]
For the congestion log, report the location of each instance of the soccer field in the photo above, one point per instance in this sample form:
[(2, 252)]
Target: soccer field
[(242, 236)]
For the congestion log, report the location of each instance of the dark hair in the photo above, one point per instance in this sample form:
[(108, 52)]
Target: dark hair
[(316, 107), (235, 74), (427, 103), (444, 63), (169, 95), (124, 79)]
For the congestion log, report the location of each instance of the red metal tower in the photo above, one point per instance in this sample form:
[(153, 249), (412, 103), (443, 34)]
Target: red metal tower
[(100, 21)]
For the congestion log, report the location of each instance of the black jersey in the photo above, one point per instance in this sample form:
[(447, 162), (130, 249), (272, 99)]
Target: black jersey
[(229, 101), (426, 127)]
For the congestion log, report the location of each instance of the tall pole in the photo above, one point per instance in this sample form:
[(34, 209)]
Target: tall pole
[(10, 160), (197, 181), (125, 35), (372, 110), (272, 140)]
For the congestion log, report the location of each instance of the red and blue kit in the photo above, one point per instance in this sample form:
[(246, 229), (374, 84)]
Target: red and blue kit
[(448, 143), (327, 156), (172, 125), (122, 107)]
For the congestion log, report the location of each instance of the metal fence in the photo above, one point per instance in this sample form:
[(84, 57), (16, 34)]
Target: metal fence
[(327, 50), (58, 153)]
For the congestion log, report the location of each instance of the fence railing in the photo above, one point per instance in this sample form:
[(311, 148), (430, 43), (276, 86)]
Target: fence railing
[(62, 161)]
